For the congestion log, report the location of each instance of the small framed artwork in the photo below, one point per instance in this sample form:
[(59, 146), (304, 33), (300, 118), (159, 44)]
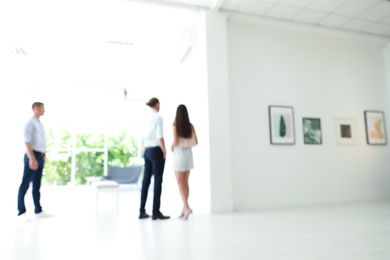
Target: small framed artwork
[(312, 130), (346, 131), (375, 127), (281, 124)]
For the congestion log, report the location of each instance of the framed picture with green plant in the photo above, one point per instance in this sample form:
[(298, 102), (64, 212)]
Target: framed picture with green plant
[(281, 124), (312, 133)]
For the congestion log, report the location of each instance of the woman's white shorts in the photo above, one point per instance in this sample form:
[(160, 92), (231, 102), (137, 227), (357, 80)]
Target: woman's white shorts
[(182, 159)]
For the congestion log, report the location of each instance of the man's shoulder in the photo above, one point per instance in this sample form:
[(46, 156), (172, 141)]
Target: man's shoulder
[(154, 114), (30, 121)]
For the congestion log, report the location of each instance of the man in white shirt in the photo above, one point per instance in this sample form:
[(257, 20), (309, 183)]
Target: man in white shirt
[(154, 156), (34, 160)]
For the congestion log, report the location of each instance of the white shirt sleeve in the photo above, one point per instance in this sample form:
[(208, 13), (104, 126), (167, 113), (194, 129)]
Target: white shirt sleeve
[(28, 132), (159, 128)]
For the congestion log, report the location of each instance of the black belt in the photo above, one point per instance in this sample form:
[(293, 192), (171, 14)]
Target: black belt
[(39, 153), (151, 147)]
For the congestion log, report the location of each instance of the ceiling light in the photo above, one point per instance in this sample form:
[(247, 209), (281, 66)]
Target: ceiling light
[(122, 43), (16, 50)]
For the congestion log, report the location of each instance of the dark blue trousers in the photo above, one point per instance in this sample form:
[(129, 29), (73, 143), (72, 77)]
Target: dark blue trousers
[(154, 165), (34, 176)]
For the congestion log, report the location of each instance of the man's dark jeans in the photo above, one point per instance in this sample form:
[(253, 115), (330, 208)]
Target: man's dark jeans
[(154, 165), (35, 177)]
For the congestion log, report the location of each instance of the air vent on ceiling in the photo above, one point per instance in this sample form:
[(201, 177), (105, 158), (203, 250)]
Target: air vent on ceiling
[(16, 50), (121, 43)]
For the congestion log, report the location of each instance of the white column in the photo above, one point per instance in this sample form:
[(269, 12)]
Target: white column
[(387, 113), (387, 66), (219, 115)]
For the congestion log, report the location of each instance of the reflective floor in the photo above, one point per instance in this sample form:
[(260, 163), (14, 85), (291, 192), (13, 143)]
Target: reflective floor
[(352, 231)]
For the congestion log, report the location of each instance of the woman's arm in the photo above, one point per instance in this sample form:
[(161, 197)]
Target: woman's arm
[(175, 137), (196, 137)]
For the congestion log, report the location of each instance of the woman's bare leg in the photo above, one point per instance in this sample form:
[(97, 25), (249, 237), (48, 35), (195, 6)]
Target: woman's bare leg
[(186, 188), (182, 182)]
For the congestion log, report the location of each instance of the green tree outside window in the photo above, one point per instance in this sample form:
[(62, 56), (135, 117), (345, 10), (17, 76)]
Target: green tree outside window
[(122, 151)]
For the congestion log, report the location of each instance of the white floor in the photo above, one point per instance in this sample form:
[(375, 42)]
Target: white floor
[(354, 231)]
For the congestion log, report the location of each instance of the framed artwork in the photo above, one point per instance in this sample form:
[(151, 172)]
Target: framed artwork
[(375, 127), (346, 131), (281, 124), (312, 133)]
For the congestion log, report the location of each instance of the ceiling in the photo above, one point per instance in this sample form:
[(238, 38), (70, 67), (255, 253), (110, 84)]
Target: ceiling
[(54, 46), (369, 17)]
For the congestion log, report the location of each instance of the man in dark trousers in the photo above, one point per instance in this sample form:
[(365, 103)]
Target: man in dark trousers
[(154, 156), (34, 160)]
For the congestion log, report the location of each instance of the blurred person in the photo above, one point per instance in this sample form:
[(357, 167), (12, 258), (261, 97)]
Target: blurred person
[(34, 160), (184, 138), (154, 156)]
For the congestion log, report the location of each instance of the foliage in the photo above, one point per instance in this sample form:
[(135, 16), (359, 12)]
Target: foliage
[(312, 131), (57, 168), (59, 138), (282, 127), (310, 138), (122, 149), (88, 164), (315, 124), (90, 140), (89, 154)]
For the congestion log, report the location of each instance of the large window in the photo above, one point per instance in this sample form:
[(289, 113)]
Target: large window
[(75, 155)]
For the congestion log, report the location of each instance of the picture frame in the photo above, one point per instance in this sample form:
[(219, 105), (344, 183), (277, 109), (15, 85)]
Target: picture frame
[(346, 132), (375, 127), (312, 132), (281, 125)]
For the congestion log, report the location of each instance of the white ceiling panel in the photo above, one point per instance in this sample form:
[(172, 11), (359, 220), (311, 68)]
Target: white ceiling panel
[(255, 7), (386, 21), (379, 29), (309, 17), (334, 21), (283, 12), (295, 3), (231, 5), (203, 3), (327, 6), (357, 25), (364, 16), (267, 1), (171, 1), (355, 7), (378, 13)]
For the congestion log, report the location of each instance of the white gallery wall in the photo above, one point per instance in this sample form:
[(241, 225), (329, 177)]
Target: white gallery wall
[(320, 74)]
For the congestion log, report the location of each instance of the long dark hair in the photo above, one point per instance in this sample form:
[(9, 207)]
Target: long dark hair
[(182, 122)]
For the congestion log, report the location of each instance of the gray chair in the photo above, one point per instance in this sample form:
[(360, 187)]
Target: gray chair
[(123, 175), (115, 177)]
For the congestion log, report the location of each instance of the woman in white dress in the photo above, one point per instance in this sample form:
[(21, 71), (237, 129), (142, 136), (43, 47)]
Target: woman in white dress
[(184, 138)]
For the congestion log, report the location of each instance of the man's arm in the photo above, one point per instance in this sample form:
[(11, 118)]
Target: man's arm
[(31, 157), (159, 135), (162, 146)]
